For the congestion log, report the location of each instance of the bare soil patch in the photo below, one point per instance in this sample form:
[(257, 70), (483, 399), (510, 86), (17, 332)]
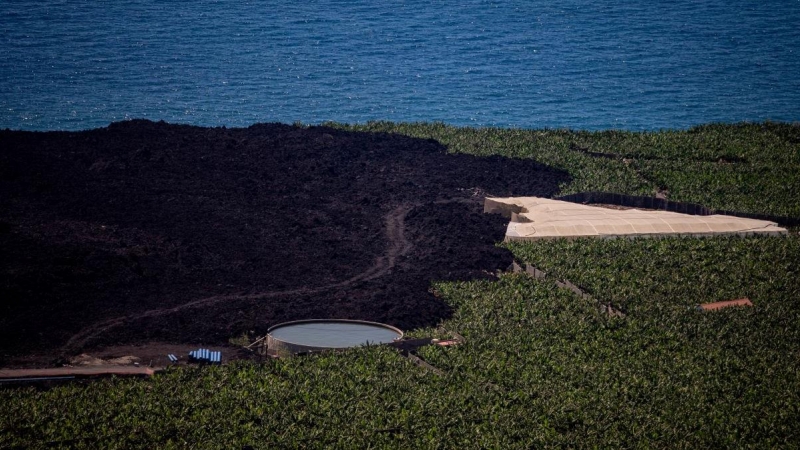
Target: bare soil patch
[(146, 231)]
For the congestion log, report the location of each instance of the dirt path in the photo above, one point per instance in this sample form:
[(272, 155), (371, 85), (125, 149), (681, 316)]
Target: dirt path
[(75, 372), (397, 245)]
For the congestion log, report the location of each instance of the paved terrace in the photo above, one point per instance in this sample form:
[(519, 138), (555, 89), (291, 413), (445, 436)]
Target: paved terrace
[(535, 218)]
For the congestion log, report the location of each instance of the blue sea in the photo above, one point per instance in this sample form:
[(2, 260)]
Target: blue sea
[(637, 65)]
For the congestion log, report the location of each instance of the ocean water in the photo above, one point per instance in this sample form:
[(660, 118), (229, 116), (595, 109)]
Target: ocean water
[(638, 65)]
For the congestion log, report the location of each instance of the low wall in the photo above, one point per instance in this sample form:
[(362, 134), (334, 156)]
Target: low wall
[(635, 201)]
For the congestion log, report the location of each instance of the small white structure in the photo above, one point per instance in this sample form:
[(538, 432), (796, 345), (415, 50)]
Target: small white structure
[(540, 218)]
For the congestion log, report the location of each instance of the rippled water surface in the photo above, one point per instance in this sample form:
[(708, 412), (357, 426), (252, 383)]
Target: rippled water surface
[(579, 64)]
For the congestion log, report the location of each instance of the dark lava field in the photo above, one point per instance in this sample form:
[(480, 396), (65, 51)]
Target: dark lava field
[(143, 232)]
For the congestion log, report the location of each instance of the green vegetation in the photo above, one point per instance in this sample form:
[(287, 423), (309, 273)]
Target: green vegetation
[(742, 167), (540, 366)]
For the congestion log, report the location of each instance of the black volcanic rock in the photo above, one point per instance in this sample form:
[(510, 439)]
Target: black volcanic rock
[(144, 231)]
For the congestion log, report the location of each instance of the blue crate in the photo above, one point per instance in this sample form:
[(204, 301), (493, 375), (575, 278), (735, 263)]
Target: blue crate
[(205, 355)]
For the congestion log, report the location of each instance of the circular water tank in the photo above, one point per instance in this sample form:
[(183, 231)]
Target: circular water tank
[(327, 334)]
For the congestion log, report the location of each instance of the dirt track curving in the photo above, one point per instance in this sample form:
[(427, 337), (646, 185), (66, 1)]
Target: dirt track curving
[(397, 245), (147, 231)]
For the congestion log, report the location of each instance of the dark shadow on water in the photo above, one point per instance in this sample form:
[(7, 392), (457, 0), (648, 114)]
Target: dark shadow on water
[(142, 216)]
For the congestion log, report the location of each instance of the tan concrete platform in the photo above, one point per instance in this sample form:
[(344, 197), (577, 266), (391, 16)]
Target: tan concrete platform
[(540, 218)]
